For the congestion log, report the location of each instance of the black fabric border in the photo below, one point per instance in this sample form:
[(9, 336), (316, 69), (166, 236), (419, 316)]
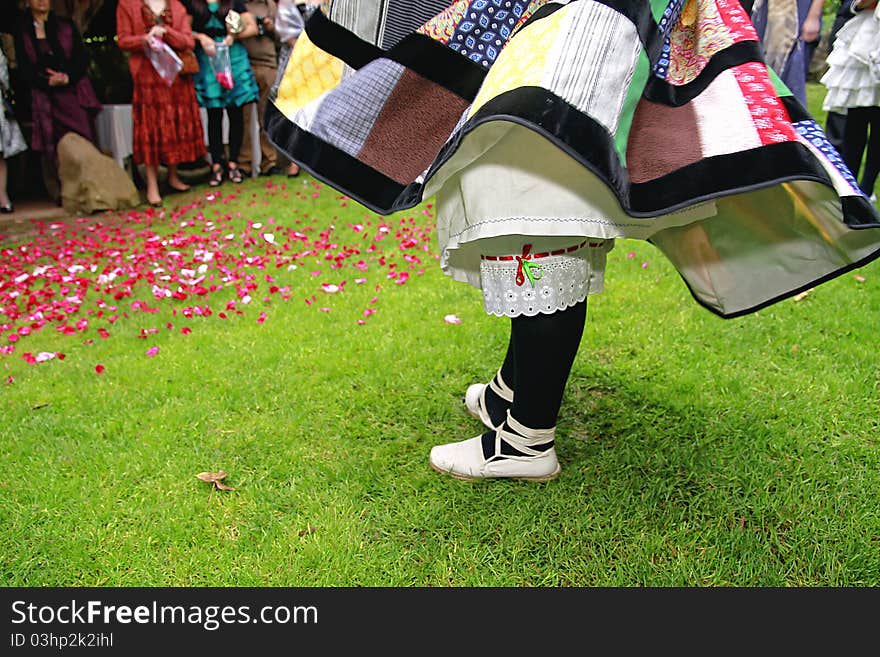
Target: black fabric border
[(592, 145), (361, 182), (639, 13), (333, 38), (586, 141), (542, 12), (660, 91), (417, 52), (440, 64), (796, 111)]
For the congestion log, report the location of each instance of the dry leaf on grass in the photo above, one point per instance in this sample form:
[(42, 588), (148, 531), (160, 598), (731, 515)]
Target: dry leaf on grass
[(215, 478), (859, 278), (800, 296), (308, 530)]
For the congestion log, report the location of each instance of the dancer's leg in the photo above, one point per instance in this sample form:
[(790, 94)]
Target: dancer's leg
[(855, 137), (872, 158), (545, 347), (541, 351), (489, 402)]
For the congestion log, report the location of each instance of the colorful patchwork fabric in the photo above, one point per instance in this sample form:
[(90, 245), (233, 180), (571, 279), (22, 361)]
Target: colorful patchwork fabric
[(654, 119)]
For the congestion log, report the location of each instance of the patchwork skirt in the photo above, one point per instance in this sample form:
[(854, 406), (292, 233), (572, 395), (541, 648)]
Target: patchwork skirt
[(657, 120)]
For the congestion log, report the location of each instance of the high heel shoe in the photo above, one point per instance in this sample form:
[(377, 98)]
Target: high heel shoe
[(235, 174), (7, 209)]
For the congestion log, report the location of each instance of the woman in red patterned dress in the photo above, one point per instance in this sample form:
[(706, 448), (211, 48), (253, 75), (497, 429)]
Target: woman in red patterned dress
[(166, 125)]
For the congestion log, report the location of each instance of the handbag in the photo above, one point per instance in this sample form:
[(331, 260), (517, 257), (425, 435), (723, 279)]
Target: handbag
[(190, 63)]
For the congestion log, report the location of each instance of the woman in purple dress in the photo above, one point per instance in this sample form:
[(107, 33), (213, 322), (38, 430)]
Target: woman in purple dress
[(52, 61)]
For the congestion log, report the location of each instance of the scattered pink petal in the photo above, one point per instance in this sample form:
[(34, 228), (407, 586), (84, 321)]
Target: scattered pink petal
[(152, 351), (185, 330), (631, 254), (644, 265), (269, 237), (329, 288), (452, 319), (10, 380), (99, 369), (261, 318)]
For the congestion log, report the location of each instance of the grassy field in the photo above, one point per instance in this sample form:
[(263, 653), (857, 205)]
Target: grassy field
[(299, 343)]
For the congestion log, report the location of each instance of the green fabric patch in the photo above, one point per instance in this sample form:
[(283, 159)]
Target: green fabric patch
[(778, 84), (658, 7), (633, 95)]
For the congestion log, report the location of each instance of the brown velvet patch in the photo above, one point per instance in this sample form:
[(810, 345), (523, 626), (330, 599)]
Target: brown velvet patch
[(661, 140), (412, 127)]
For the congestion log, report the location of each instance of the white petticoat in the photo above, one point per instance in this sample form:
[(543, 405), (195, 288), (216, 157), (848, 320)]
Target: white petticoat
[(853, 75), (542, 276)]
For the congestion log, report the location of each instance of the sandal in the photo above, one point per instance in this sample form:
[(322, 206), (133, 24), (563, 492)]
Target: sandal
[(216, 175), (235, 174)]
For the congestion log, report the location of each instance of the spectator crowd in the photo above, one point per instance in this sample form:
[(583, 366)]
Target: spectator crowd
[(224, 55)]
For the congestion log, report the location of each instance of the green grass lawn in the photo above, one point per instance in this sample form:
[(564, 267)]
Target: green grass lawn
[(696, 451)]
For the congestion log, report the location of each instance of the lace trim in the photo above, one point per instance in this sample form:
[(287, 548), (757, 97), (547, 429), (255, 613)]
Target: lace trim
[(541, 282)]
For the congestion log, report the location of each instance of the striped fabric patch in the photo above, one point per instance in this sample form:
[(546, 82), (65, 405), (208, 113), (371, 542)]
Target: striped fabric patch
[(594, 75), (401, 17)]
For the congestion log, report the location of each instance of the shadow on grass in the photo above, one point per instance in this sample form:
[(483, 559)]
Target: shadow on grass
[(650, 494)]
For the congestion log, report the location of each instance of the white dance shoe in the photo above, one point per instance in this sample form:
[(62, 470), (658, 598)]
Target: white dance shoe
[(475, 398), (465, 459)]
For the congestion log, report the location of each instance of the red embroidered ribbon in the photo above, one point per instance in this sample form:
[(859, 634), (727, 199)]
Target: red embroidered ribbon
[(526, 255)]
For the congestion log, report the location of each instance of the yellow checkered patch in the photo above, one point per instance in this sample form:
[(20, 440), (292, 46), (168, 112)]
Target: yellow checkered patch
[(522, 62), (310, 72)]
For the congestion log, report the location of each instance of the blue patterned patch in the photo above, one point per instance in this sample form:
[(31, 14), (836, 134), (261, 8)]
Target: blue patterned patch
[(670, 15), (814, 134), (485, 29)]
